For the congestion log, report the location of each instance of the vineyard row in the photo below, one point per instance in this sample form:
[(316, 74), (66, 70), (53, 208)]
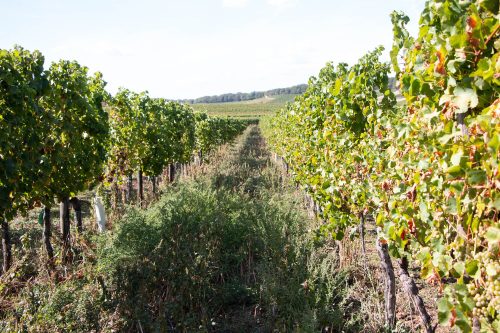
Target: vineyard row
[(62, 133), (427, 172)]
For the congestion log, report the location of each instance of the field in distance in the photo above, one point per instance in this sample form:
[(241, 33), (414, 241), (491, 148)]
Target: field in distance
[(251, 109)]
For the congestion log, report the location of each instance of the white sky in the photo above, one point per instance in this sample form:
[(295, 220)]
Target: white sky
[(193, 48)]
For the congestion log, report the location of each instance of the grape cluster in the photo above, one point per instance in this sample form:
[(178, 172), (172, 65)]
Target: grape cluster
[(485, 290)]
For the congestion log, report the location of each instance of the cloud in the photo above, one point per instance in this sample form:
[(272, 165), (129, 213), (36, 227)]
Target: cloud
[(234, 3), (282, 3)]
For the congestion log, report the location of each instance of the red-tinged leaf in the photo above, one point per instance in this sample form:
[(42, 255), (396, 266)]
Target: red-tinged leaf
[(471, 22)]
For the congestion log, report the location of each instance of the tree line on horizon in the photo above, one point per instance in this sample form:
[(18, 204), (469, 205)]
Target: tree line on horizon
[(239, 96)]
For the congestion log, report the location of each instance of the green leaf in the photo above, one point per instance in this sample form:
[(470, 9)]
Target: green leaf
[(415, 87), (455, 158), (444, 311), (446, 138), (476, 177), (424, 255), (462, 321), (464, 98), (459, 267), (424, 213), (454, 170), (451, 206), (471, 267), (494, 142), (493, 235)]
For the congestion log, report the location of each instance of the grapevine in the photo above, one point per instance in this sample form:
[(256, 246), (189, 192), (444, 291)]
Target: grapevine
[(427, 171)]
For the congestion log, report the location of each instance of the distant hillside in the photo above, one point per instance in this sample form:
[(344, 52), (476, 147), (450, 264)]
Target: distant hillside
[(239, 97), (252, 109)]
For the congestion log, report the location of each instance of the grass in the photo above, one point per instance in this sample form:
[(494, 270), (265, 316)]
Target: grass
[(248, 109), (229, 248), (226, 249)]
